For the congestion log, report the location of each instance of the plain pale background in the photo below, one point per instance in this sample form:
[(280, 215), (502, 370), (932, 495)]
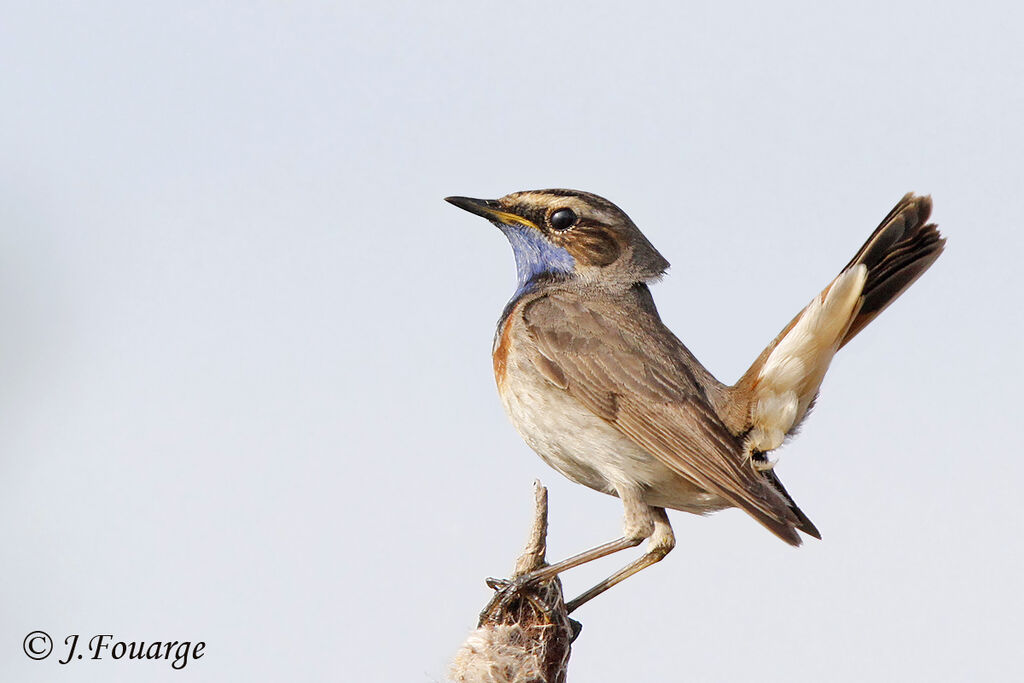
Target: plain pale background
[(245, 384)]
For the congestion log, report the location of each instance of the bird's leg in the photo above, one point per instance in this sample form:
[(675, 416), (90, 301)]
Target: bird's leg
[(595, 553), (510, 589), (639, 522), (661, 543)]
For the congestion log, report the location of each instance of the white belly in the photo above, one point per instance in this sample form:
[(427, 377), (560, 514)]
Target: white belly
[(588, 450)]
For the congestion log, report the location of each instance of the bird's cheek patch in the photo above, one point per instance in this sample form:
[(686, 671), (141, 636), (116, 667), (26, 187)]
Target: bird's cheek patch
[(592, 245)]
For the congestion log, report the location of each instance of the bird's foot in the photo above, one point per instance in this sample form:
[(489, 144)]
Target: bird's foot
[(525, 588)]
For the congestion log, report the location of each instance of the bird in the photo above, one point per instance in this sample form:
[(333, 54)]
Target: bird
[(601, 389)]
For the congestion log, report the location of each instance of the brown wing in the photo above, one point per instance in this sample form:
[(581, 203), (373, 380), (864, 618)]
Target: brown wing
[(617, 358)]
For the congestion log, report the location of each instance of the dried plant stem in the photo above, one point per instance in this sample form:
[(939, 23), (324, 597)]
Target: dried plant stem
[(524, 634)]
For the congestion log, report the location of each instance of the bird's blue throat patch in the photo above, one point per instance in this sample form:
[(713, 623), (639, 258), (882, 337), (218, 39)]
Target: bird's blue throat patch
[(535, 256)]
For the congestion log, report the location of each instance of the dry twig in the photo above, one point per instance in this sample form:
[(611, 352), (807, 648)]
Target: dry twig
[(524, 634)]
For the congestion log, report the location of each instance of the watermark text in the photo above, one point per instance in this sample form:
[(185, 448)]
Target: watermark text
[(38, 645)]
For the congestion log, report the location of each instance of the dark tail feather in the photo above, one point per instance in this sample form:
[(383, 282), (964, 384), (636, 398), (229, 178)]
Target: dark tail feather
[(805, 525), (897, 253)]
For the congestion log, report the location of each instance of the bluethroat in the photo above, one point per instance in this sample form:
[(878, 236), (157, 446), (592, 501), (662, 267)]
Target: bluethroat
[(608, 396)]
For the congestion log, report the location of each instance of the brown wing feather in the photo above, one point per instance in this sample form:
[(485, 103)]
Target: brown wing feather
[(625, 366)]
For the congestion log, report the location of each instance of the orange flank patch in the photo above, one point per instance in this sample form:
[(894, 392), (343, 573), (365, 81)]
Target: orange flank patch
[(500, 355)]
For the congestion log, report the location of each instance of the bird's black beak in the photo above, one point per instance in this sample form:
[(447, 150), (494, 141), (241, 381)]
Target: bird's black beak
[(489, 209), (481, 207)]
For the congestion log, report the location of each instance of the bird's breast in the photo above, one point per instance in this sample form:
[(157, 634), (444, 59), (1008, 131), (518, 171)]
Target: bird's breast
[(574, 440), (500, 352)]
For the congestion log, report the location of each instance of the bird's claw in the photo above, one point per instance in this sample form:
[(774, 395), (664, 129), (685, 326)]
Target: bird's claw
[(498, 584), (508, 591)]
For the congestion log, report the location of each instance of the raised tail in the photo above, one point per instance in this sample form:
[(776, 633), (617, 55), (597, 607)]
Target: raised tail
[(774, 395), (901, 248)]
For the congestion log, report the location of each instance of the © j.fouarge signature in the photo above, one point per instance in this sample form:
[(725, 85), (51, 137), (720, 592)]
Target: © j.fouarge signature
[(103, 645)]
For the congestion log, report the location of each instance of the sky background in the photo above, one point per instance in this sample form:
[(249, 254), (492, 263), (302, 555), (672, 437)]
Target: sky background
[(245, 384)]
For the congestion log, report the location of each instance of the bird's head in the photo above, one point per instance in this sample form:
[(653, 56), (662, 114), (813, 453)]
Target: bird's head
[(569, 235)]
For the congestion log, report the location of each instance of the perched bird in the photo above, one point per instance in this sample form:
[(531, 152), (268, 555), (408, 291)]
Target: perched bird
[(600, 388)]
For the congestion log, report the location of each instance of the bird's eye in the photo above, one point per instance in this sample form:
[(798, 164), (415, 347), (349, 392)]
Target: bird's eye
[(563, 219)]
